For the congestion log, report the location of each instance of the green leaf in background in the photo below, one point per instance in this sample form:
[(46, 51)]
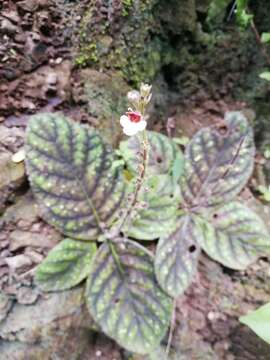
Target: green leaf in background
[(66, 265), (217, 11), (236, 236), (259, 322), (265, 192), (163, 153), (156, 213), (265, 75), (72, 175), (265, 37), (125, 299), (243, 18), (218, 162), (177, 257)]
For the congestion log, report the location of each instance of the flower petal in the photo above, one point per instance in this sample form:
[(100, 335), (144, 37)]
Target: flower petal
[(141, 125), (130, 129), (124, 120)]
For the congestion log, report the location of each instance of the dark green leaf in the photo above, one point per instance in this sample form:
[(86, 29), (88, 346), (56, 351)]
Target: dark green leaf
[(72, 175), (218, 162), (156, 213), (66, 265), (236, 237), (125, 299), (177, 256), (259, 322), (163, 153)]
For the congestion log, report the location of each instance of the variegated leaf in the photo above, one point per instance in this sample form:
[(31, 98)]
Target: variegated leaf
[(164, 155), (66, 265), (125, 299), (177, 256), (218, 162), (72, 175), (236, 236), (156, 213)]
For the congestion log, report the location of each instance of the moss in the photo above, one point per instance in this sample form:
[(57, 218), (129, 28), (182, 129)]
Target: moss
[(127, 4), (138, 36), (87, 56), (105, 95)]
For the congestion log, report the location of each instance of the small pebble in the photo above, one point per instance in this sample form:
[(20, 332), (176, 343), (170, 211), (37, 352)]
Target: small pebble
[(18, 156), (58, 61)]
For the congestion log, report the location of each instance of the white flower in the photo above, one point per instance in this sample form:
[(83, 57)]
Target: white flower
[(132, 123)]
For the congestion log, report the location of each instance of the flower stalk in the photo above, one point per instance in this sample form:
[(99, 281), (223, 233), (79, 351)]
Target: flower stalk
[(140, 100)]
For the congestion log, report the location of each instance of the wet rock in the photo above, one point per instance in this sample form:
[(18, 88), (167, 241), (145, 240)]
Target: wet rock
[(7, 27), (106, 98), (11, 139), (56, 326), (27, 295), (18, 263), (12, 175), (28, 5), (25, 209), (5, 306), (34, 256)]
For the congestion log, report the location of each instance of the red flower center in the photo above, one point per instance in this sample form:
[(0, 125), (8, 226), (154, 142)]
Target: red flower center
[(134, 116)]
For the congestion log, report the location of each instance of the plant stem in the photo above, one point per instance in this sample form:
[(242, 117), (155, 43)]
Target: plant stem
[(172, 325), (258, 38), (139, 180), (116, 257)]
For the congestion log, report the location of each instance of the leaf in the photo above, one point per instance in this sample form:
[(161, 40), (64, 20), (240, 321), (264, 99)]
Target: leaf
[(177, 257), (236, 237), (125, 299), (66, 265), (217, 11), (177, 167), (259, 322), (162, 154), (265, 75), (265, 192), (243, 17), (72, 175), (156, 213), (218, 163), (265, 37)]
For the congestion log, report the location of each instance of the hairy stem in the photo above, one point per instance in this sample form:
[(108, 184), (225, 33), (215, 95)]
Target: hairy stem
[(139, 181), (172, 326)]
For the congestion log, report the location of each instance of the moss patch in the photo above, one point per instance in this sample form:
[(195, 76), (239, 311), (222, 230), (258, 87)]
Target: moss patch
[(133, 37)]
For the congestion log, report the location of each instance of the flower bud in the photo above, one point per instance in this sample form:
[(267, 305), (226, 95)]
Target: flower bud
[(145, 90), (134, 97)]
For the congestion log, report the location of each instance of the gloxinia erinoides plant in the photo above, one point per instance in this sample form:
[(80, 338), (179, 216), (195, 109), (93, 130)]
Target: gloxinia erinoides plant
[(155, 193)]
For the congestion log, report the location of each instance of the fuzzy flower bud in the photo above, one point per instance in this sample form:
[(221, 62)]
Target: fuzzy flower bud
[(134, 98), (145, 90)]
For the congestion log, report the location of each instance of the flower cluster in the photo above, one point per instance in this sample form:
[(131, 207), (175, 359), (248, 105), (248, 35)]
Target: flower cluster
[(134, 120)]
